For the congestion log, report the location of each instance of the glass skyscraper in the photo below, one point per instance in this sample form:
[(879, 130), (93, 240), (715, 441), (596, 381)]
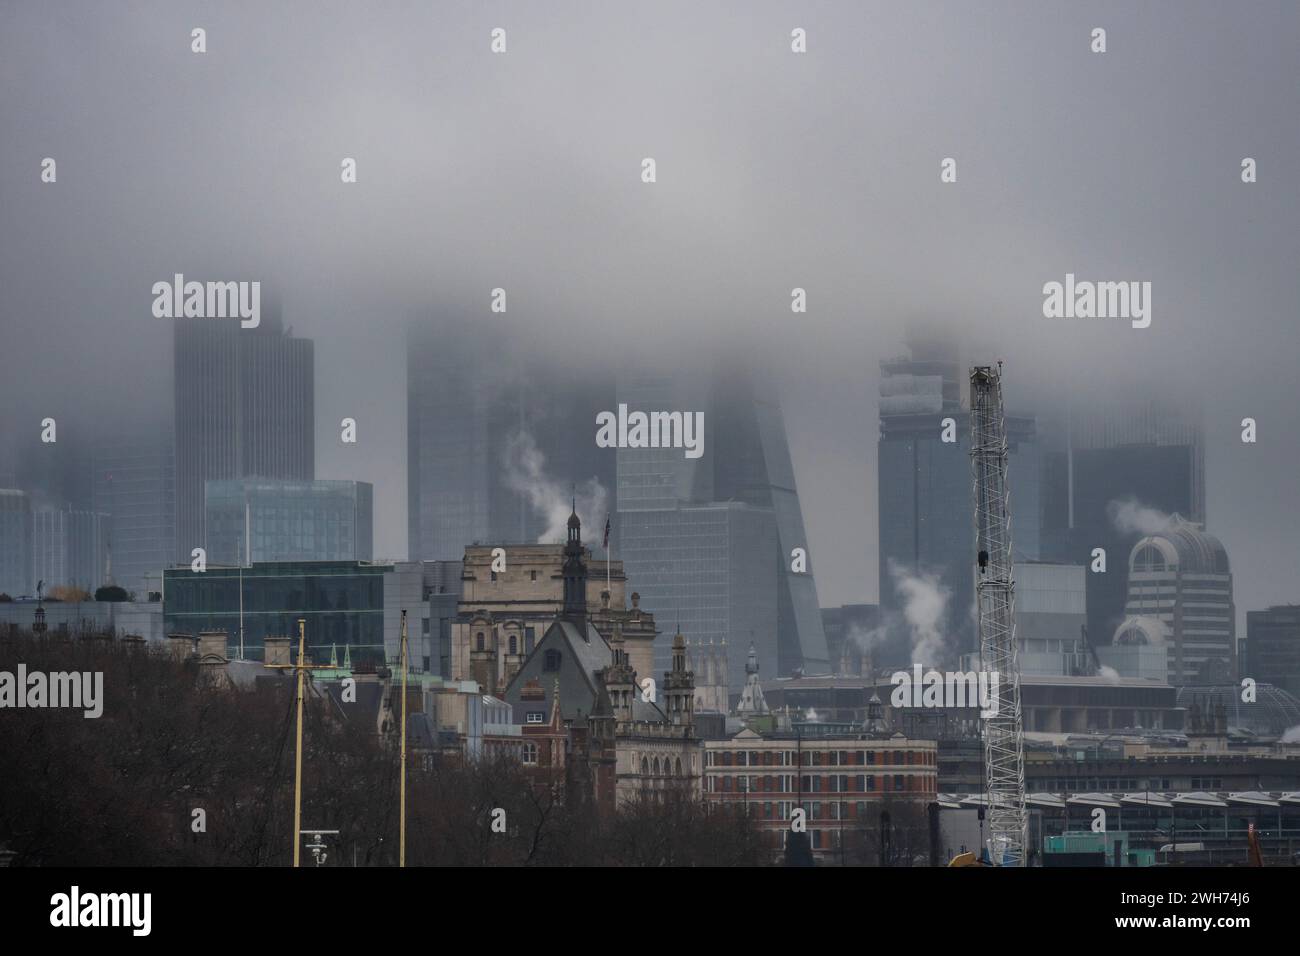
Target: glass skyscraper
[(496, 440), (69, 548), (925, 495), (245, 401), (289, 521), (135, 484), (1119, 449), (15, 543), (709, 541)]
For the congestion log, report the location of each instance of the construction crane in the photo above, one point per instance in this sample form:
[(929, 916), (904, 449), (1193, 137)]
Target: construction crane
[(1004, 752)]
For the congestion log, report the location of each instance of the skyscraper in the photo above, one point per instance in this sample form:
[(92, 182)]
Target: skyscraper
[(498, 439), (1115, 470), (15, 543), (1272, 651), (245, 401), (925, 498), (135, 485), (69, 548), (712, 541)]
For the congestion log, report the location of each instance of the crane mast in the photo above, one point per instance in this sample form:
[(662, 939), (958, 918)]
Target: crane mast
[(1004, 754)]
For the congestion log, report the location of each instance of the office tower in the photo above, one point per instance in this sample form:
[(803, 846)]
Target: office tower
[(1180, 577), (1272, 652), (709, 541), (1118, 450), (498, 440), (926, 523), (69, 548), (289, 520), (851, 633), (135, 485), (244, 409), (15, 543)]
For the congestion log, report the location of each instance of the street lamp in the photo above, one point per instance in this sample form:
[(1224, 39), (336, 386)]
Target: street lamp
[(317, 847)]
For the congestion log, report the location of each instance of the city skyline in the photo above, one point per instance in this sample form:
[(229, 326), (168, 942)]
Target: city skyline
[(686, 435), (410, 243)]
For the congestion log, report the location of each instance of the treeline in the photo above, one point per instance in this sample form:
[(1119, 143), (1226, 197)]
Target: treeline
[(180, 770)]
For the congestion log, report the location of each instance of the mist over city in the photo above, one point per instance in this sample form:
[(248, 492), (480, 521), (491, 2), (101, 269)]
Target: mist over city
[(586, 404)]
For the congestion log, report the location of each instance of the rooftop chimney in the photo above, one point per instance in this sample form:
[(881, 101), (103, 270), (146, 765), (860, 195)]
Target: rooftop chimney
[(181, 645), (212, 647), (276, 651)]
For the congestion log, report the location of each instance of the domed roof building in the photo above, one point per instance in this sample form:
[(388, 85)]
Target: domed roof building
[(1180, 594)]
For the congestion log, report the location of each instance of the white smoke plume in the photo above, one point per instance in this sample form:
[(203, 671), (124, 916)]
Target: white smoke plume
[(1292, 735), (525, 467), (1108, 674), (1131, 516), (866, 641), (925, 599)]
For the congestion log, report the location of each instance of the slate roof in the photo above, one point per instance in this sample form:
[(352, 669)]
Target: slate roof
[(586, 654)]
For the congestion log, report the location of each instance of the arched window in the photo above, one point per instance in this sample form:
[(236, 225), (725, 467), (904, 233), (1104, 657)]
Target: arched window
[(1150, 559), (478, 641), (645, 767), (656, 766), (678, 771), (514, 644)]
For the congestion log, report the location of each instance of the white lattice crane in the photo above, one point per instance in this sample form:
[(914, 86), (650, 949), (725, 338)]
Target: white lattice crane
[(1004, 753)]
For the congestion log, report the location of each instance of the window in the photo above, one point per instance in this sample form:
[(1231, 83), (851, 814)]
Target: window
[(494, 575), (898, 782), (532, 575), (478, 641), (552, 661), (530, 639), (514, 644), (530, 752), (535, 717)]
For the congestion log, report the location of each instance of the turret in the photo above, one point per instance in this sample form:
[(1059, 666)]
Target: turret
[(679, 687), (575, 574)]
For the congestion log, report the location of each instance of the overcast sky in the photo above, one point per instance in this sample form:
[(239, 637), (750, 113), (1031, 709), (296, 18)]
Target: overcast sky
[(775, 170)]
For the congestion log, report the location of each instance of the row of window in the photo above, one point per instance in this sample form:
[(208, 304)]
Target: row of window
[(530, 640), (815, 783), (819, 758), (1122, 784)]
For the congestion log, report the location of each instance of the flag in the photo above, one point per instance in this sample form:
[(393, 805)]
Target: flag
[(605, 544)]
